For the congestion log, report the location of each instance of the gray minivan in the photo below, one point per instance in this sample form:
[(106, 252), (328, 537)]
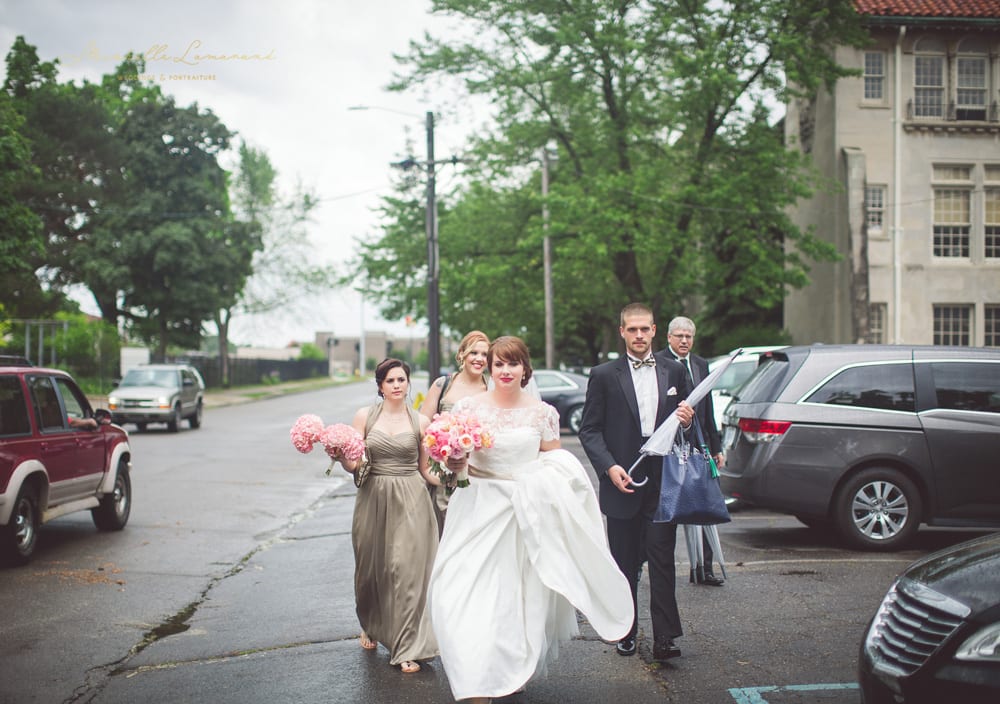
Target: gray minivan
[(871, 439)]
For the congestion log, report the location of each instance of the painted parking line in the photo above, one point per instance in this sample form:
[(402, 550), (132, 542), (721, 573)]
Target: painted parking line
[(752, 695)]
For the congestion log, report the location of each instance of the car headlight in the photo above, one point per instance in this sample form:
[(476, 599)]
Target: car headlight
[(113, 401), (981, 646), (163, 402)]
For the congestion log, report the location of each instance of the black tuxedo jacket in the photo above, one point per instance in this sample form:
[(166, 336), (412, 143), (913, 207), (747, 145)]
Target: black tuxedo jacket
[(705, 409), (610, 431)]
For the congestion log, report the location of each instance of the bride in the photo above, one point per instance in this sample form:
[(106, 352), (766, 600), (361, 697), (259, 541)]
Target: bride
[(523, 547)]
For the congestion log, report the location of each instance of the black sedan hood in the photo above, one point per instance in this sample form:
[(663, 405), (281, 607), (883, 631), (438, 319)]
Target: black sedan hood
[(968, 572)]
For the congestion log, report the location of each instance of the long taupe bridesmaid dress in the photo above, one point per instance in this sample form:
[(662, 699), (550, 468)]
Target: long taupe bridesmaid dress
[(395, 540)]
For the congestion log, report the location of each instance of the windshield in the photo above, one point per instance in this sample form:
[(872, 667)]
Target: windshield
[(150, 377)]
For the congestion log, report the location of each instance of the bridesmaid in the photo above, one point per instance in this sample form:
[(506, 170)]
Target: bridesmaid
[(447, 390), (470, 378), (393, 533)]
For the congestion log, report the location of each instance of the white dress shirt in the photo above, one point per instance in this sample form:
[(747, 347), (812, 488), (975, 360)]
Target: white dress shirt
[(646, 393)]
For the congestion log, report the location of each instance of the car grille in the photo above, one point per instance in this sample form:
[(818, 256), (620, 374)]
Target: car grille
[(911, 624), (136, 403)]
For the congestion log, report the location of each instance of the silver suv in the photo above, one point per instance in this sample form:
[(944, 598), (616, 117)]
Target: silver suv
[(873, 440), (159, 393)]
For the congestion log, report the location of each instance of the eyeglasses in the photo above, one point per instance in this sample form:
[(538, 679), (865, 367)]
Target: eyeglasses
[(682, 336)]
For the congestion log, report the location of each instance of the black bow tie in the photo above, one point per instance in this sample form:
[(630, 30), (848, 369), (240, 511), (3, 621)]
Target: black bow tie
[(648, 362)]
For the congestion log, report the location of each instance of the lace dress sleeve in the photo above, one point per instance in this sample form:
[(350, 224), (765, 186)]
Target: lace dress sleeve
[(550, 423)]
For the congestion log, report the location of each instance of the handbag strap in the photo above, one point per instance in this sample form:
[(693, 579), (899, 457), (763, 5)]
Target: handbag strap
[(713, 468), (448, 378)]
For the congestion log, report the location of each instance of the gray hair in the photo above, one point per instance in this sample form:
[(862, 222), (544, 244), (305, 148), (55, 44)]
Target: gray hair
[(680, 323)]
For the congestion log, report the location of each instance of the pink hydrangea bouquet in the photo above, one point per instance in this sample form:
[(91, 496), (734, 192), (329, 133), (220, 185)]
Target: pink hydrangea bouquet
[(344, 439), (305, 432), (308, 431), (450, 435)]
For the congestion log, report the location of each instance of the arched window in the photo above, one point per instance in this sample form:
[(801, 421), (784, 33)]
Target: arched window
[(972, 81), (928, 78)]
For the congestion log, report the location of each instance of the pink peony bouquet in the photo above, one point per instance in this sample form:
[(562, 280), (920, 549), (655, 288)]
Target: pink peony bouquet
[(305, 432), (450, 435)]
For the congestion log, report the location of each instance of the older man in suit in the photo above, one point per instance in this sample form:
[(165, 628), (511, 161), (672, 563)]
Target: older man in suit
[(680, 340), (626, 400)]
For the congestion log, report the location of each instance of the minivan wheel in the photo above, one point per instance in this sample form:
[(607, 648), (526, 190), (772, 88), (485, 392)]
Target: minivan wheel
[(878, 509), (575, 419), (20, 535)]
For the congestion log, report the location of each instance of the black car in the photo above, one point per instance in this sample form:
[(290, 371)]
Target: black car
[(566, 391), (936, 636), (872, 440)]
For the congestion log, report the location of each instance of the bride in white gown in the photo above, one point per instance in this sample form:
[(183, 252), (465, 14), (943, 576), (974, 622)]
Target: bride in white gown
[(523, 548)]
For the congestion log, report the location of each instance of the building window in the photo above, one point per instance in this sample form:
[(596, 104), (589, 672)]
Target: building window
[(952, 86), (991, 212), (971, 97), (951, 223), (928, 91), (953, 325), (874, 76), (876, 323), (971, 88), (874, 207), (991, 324)]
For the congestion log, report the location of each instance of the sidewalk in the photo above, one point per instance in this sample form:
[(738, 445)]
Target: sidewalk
[(218, 397)]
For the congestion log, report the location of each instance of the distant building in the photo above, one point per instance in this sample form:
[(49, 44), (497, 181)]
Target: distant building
[(915, 144), (345, 351)]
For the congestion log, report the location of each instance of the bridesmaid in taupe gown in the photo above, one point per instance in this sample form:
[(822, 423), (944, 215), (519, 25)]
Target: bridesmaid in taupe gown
[(446, 391), (394, 532)]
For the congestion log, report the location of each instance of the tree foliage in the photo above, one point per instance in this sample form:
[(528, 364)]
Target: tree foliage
[(116, 187), (670, 185)]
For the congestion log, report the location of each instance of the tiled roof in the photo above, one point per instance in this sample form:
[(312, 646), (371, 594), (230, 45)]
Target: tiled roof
[(929, 8)]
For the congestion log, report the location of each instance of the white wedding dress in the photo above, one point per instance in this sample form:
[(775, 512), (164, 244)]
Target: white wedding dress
[(523, 549)]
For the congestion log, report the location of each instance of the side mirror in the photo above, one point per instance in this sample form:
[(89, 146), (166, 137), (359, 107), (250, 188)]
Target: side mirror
[(102, 416)]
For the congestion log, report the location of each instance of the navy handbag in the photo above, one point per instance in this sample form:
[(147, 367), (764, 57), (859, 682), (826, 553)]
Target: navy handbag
[(689, 485)]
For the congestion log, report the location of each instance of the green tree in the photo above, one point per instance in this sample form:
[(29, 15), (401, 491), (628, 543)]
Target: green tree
[(167, 233), (21, 240), (134, 203), (310, 351), (284, 273), (281, 274), (651, 105), (70, 159)]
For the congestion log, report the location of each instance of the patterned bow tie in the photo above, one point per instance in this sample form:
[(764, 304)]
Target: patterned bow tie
[(648, 362)]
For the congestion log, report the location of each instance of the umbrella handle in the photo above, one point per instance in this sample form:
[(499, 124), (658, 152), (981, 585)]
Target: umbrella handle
[(634, 465)]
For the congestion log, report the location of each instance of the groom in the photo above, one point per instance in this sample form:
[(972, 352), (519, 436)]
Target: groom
[(627, 399)]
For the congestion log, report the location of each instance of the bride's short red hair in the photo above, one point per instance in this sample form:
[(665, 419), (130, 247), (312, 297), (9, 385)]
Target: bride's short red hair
[(511, 349)]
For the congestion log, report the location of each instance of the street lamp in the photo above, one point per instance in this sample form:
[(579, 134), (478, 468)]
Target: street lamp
[(433, 301), (550, 344)]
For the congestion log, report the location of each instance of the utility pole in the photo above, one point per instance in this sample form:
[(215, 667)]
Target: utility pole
[(433, 312), (550, 344)]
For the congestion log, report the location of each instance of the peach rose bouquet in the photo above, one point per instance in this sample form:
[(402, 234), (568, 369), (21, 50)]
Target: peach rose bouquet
[(454, 435)]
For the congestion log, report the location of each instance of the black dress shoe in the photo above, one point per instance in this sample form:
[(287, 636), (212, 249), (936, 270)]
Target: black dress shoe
[(626, 646), (666, 650), (711, 580)]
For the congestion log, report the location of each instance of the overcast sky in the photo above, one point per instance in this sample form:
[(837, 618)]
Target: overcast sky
[(306, 62)]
